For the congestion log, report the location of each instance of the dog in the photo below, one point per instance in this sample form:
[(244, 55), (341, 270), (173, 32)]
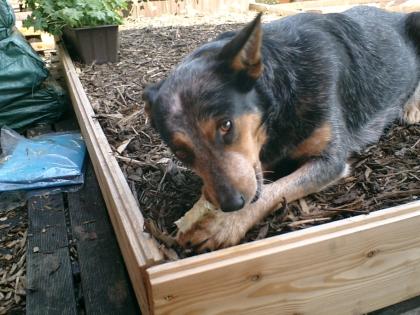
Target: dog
[(293, 98)]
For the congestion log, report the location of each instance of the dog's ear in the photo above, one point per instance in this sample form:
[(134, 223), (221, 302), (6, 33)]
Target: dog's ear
[(150, 95), (242, 54)]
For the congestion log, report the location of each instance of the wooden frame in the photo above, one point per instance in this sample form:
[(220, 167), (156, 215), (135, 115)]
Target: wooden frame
[(350, 266)]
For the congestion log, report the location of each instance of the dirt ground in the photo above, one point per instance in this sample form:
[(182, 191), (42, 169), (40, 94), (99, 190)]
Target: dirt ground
[(384, 175)]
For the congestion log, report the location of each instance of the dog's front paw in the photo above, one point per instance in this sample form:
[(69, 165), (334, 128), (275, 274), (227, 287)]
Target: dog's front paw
[(215, 230)]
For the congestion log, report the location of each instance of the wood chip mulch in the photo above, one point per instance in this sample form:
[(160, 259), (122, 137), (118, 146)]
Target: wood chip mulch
[(13, 236), (384, 175)]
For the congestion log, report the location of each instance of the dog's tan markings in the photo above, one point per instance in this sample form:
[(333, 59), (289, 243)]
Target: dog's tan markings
[(315, 144), (208, 130), (243, 52), (249, 57), (242, 157), (208, 185), (201, 165), (208, 127), (180, 139), (252, 135), (237, 162)]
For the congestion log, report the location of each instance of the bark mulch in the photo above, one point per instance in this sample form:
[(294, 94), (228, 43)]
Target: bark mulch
[(13, 236), (384, 175)]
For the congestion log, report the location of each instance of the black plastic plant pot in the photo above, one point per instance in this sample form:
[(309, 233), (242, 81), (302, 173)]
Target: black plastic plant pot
[(98, 44)]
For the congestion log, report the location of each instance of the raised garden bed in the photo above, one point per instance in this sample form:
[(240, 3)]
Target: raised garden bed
[(353, 265)]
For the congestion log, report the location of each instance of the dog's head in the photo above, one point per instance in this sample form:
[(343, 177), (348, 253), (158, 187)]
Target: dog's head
[(207, 112)]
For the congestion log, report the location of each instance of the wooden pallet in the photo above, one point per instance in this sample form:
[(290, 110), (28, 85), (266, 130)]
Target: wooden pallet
[(74, 264), (351, 266), (40, 41)]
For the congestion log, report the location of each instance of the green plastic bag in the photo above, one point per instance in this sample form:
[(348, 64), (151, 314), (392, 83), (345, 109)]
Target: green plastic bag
[(21, 69), (45, 105), (7, 19), (24, 97)]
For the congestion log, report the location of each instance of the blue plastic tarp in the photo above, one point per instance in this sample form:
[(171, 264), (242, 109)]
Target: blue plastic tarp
[(49, 160)]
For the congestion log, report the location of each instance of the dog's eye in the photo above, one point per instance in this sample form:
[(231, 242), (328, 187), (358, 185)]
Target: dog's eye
[(226, 126)]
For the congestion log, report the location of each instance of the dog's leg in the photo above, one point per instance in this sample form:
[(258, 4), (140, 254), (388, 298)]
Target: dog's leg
[(412, 108), (227, 229)]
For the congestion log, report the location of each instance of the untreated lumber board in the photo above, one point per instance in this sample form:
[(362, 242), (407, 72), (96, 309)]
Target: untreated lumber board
[(139, 249), (186, 7), (329, 6), (105, 283), (302, 6), (308, 5), (402, 6), (273, 9), (49, 274), (351, 266)]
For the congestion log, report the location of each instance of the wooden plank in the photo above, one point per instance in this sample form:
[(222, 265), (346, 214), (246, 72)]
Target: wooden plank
[(49, 274), (187, 7), (29, 32), (350, 266), (139, 249), (105, 284), (404, 7), (41, 46), (309, 5), (273, 9), (329, 6)]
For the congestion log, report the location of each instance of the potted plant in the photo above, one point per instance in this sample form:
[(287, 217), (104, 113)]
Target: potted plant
[(89, 27)]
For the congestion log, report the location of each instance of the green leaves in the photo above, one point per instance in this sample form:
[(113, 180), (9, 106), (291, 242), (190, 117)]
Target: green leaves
[(53, 15)]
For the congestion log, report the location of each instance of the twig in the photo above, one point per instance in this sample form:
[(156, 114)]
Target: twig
[(134, 161), (401, 193)]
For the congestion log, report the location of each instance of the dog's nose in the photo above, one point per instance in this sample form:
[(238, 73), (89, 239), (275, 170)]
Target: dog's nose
[(232, 202)]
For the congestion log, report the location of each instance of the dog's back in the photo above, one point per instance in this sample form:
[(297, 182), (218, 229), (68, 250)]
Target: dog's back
[(366, 61)]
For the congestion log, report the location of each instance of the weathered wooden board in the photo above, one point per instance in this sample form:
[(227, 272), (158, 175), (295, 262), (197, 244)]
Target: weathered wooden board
[(351, 266), (104, 280), (138, 248), (186, 7), (98, 253), (49, 274)]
